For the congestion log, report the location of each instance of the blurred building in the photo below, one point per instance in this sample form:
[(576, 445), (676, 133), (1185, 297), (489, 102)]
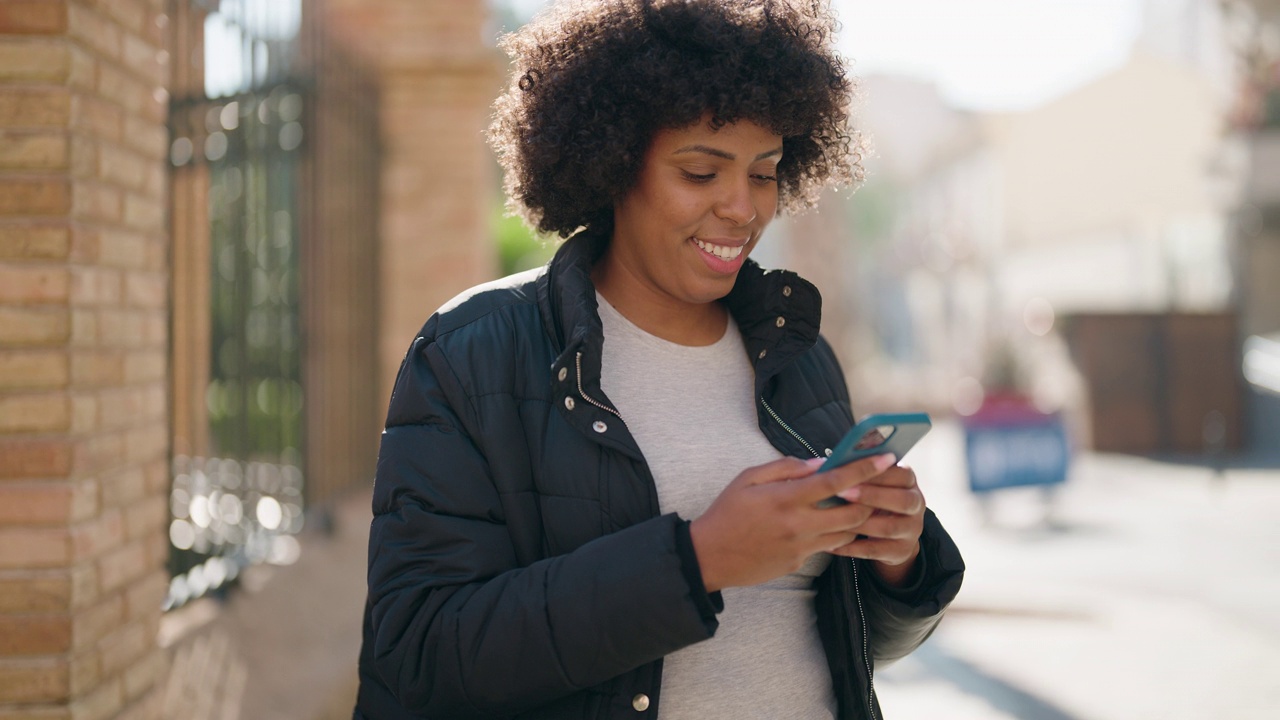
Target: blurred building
[(1087, 250)]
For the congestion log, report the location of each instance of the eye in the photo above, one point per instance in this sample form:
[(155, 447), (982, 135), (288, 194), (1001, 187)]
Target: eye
[(761, 178), (694, 177)]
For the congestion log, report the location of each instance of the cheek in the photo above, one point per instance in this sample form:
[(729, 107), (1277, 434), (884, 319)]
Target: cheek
[(773, 205), (767, 202), (679, 208)]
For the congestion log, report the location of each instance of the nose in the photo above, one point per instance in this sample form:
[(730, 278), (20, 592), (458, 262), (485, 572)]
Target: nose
[(736, 205)]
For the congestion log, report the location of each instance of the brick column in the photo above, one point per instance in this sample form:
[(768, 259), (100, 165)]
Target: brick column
[(438, 79), (83, 365)]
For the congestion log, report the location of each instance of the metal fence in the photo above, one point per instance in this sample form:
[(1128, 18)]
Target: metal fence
[(274, 159)]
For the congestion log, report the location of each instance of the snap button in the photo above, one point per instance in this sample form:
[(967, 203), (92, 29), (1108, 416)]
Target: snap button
[(786, 291), (828, 452), (599, 426), (780, 321), (564, 373), (568, 403), (640, 702), (762, 354)]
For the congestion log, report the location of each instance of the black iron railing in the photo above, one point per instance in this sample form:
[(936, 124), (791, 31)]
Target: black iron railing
[(273, 283)]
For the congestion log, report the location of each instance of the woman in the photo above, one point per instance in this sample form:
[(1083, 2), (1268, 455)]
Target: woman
[(590, 499)]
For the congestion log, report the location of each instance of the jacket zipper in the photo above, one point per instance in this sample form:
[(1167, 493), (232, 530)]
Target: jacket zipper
[(787, 427), (582, 393), (862, 615)]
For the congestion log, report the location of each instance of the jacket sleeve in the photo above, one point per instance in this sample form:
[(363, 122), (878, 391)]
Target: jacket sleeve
[(459, 629), (900, 619)]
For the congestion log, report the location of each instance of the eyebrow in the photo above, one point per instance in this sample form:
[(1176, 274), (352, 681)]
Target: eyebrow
[(708, 150)]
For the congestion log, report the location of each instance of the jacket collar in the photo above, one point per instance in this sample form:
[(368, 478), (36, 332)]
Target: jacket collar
[(778, 312), (566, 294)]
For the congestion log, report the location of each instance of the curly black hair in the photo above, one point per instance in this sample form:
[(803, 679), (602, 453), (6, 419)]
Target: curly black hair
[(594, 80)]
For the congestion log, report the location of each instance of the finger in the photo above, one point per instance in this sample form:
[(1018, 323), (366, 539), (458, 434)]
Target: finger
[(788, 468), (839, 518), (897, 476), (904, 501), (891, 527), (831, 542), (820, 486), (871, 549)]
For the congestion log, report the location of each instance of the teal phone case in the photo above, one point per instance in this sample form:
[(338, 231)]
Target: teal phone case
[(907, 429)]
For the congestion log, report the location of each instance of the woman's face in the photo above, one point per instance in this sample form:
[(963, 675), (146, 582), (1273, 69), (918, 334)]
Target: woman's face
[(702, 200)]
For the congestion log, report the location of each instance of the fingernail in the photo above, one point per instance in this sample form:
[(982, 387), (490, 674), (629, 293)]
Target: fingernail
[(814, 462), (852, 494), (882, 462)]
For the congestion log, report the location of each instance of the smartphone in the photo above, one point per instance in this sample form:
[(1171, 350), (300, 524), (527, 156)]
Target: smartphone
[(894, 433)]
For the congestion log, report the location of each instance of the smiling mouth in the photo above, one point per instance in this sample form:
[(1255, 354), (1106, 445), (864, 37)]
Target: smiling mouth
[(724, 252)]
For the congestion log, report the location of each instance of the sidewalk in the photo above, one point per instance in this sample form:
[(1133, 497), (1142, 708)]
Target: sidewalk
[(1150, 594), (284, 644)]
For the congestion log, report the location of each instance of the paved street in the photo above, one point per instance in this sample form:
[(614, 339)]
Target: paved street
[(1150, 592)]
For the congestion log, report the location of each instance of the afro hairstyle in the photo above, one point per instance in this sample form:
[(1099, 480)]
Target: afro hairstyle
[(594, 80)]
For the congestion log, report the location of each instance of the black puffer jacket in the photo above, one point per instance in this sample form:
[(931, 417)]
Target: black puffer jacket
[(518, 563)]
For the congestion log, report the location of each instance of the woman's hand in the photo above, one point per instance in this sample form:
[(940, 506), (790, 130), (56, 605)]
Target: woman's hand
[(890, 537), (761, 526)]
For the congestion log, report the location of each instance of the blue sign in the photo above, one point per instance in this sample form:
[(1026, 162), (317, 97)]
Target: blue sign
[(1013, 449)]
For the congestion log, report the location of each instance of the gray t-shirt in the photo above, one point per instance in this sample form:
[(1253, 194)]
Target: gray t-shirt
[(692, 411)]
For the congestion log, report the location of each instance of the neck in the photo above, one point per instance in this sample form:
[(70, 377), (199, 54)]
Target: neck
[(681, 323)]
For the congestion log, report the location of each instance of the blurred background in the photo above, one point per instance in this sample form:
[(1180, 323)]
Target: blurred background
[(1067, 250)]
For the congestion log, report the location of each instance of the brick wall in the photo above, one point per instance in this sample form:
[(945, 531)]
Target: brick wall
[(83, 361), (437, 79)]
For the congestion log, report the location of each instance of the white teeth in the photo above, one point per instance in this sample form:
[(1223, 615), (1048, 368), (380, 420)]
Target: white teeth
[(724, 252)]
